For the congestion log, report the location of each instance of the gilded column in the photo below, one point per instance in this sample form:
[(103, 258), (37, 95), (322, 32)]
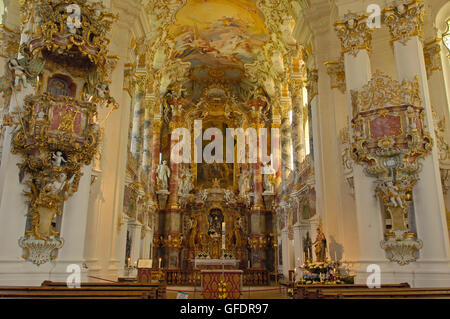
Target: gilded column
[(406, 24)]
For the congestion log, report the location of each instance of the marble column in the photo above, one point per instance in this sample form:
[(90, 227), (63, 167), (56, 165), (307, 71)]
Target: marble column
[(258, 203), (298, 130), (356, 42), (427, 194), (138, 126), (147, 143), (276, 124), (156, 147), (286, 147)]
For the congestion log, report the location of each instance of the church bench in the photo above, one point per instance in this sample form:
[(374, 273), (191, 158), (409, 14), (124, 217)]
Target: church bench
[(367, 293), (381, 293), (87, 290), (311, 291), (78, 293)]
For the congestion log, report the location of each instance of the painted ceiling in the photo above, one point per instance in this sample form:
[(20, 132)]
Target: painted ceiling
[(219, 33)]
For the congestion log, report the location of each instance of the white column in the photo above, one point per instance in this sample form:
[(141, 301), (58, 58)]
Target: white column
[(135, 230), (370, 228), (298, 248), (122, 243), (73, 229), (428, 197), (287, 253), (356, 40), (14, 270)]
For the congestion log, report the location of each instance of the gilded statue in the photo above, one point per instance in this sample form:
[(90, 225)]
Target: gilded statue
[(67, 120), (235, 238), (194, 233), (320, 245)]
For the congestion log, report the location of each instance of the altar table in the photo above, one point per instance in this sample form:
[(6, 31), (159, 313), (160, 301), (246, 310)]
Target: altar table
[(211, 279)]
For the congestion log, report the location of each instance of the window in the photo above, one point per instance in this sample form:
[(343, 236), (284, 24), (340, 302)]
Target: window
[(446, 36)]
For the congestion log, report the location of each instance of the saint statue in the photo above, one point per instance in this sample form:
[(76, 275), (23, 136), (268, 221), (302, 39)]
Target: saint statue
[(307, 247), (164, 175), (244, 183), (186, 185), (268, 176), (320, 245)]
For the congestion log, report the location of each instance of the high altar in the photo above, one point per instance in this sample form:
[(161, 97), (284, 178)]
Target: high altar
[(207, 201)]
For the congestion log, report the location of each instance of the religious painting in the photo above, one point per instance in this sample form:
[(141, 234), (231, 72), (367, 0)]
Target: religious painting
[(223, 172), (219, 32), (66, 118)]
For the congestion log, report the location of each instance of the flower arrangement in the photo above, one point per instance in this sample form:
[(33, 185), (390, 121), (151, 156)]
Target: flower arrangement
[(222, 287), (328, 272)]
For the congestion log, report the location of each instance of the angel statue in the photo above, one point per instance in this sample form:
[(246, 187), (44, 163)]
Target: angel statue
[(186, 185), (18, 71), (164, 175), (394, 197), (268, 178)]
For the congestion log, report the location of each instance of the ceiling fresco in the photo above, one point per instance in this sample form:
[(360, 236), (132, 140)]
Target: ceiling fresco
[(219, 33)]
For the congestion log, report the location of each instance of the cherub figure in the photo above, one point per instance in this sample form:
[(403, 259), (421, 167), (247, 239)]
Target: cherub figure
[(58, 159)]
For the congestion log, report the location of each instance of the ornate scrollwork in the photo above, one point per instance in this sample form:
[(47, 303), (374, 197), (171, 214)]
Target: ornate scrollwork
[(49, 26), (405, 20), (55, 137), (354, 33), (389, 138), (336, 72)]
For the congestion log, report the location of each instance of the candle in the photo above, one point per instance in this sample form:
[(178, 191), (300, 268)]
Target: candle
[(249, 264), (159, 259), (160, 158), (128, 261)]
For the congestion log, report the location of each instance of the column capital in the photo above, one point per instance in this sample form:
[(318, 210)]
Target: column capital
[(312, 84), (354, 33), (432, 56), (336, 71), (296, 87), (405, 21)]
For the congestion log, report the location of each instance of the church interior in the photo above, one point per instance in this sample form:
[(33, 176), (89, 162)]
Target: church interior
[(224, 146)]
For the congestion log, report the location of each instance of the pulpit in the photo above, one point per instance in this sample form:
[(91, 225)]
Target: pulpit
[(212, 278)]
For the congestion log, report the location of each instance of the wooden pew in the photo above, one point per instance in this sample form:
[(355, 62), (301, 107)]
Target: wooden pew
[(385, 293), (59, 290), (313, 291)]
